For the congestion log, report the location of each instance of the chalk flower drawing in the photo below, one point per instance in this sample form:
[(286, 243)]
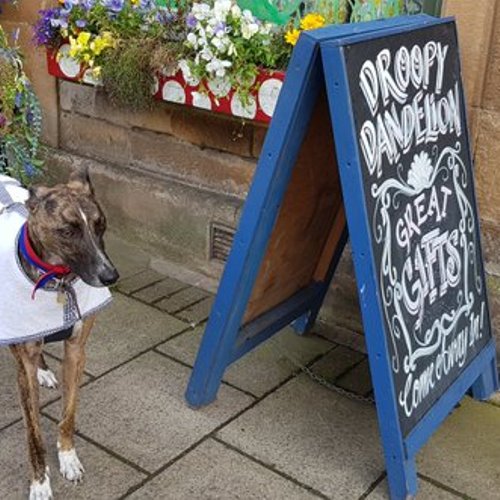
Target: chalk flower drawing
[(420, 172), (404, 310)]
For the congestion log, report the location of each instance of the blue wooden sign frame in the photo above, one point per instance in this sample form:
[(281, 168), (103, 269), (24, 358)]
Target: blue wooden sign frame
[(480, 376), (227, 339)]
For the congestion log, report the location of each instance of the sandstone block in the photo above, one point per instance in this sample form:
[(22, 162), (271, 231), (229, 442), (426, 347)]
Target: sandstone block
[(491, 97), (491, 239), (259, 135), (211, 130), (486, 165), (475, 26), (94, 138), (24, 11), (218, 171)]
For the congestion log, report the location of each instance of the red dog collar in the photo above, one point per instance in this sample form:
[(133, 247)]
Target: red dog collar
[(49, 271)]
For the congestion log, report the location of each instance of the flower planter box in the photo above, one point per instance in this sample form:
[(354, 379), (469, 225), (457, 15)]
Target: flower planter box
[(174, 88)]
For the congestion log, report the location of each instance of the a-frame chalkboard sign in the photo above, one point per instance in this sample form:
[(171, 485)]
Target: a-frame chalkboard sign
[(391, 162)]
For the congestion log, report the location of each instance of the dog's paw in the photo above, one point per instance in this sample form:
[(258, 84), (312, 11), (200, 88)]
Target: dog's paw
[(41, 490), (70, 466), (46, 378)]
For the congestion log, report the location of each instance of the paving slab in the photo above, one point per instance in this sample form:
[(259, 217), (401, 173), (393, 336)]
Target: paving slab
[(213, 472), (198, 312), (106, 477), (139, 411), (160, 290), (342, 336), (465, 452), (122, 331), (182, 300), (262, 369), (495, 399), (128, 259), (426, 491), (9, 399), (140, 280), (321, 439), (336, 363), (357, 379)]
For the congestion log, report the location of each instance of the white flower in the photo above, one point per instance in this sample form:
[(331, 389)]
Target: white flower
[(185, 69), (206, 54), (248, 30), (222, 9), (218, 67), (420, 172), (200, 11), (236, 11), (248, 16), (192, 39), (219, 43), (265, 28)]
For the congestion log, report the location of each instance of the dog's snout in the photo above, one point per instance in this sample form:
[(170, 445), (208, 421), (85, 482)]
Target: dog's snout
[(109, 276)]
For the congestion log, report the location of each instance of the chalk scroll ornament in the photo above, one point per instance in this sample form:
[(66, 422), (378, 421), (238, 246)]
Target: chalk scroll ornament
[(413, 339)]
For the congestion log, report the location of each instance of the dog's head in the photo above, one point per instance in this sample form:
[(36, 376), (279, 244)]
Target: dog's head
[(67, 224)]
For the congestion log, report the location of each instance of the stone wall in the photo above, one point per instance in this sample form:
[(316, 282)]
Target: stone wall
[(195, 166)]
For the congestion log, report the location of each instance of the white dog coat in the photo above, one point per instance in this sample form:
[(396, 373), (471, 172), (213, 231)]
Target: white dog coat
[(21, 317)]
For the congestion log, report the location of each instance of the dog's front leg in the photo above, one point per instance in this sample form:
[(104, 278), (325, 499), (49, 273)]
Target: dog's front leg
[(73, 365), (28, 357)]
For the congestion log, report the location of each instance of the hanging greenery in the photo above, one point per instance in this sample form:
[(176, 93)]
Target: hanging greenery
[(214, 43), (20, 117)]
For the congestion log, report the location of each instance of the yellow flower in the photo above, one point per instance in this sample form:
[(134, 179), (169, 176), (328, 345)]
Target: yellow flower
[(102, 42), (96, 72), (292, 36), (75, 48), (312, 21), (135, 2), (83, 38)]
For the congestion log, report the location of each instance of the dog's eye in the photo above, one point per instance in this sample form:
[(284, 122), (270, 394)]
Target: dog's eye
[(68, 231)]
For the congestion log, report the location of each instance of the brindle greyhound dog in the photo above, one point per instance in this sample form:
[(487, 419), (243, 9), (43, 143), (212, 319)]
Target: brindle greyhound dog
[(66, 227)]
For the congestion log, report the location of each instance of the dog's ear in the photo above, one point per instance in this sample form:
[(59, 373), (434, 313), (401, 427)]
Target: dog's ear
[(80, 179), (36, 195)]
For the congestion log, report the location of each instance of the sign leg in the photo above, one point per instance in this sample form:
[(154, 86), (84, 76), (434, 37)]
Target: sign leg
[(402, 478), (211, 362), (304, 323), (487, 383)]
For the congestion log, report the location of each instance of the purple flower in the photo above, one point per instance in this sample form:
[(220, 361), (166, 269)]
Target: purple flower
[(220, 28), (87, 4), (165, 16), (18, 100), (81, 23), (62, 20), (69, 4), (191, 21), (44, 32), (60, 23), (114, 6), (29, 169), (147, 4)]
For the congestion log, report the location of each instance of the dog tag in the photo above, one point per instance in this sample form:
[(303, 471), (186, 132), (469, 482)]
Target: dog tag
[(62, 298)]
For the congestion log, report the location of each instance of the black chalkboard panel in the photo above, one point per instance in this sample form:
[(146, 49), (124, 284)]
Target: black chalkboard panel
[(408, 106)]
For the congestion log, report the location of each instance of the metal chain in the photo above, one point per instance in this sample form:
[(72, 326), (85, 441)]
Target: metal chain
[(320, 379)]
